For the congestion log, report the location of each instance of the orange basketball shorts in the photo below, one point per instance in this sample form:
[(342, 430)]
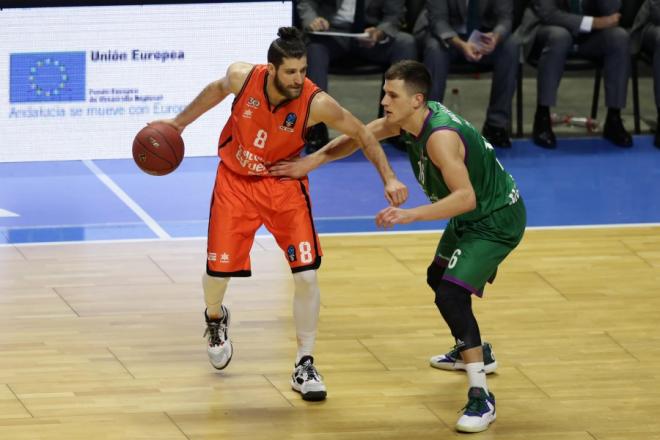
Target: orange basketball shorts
[(241, 204)]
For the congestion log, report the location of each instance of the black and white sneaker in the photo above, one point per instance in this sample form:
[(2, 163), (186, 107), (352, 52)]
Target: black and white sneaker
[(219, 348), (307, 381)]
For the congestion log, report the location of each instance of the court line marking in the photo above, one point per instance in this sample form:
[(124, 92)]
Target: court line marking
[(133, 206), (6, 213), (332, 234)]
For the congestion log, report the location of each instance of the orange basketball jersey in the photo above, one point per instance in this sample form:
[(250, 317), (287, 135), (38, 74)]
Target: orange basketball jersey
[(259, 134)]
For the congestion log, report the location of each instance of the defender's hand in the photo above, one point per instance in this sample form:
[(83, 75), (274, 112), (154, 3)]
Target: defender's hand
[(396, 192), (294, 168), (391, 216)]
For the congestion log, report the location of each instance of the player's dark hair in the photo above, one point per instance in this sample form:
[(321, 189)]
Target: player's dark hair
[(290, 44), (414, 74)]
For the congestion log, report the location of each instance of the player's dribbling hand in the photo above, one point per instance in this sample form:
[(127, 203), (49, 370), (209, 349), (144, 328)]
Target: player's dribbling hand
[(396, 192), (171, 122), (391, 216)]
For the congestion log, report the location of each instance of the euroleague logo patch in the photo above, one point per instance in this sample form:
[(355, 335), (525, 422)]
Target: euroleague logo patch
[(289, 123), (291, 253)]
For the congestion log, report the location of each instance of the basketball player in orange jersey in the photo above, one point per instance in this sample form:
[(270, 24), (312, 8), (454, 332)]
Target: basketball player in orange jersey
[(274, 105)]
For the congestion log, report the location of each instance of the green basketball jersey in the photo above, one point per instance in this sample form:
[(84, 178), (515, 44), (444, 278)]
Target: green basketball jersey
[(494, 188)]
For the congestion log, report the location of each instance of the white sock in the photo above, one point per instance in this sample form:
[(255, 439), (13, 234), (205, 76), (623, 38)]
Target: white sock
[(476, 375), (306, 307), (214, 292)]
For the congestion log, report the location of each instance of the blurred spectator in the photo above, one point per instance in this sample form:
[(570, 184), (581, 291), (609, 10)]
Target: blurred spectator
[(551, 30), (645, 34), (473, 31), (384, 43)]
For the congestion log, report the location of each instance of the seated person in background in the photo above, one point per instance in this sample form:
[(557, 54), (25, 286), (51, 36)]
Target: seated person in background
[(444, 29), (551, 30), (385, 43), (646, 33)]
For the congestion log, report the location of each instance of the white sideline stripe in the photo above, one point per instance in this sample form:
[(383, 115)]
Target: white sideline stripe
[(137, 209), (332, 234), (528, 228), (5, 213)]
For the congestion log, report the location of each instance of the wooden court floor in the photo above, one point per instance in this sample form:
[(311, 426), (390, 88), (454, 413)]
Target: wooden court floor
[(104, 341)]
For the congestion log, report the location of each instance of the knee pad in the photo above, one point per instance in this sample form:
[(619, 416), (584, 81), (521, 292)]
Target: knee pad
[(434, 275), (306, 307), (214, 293), (455, 305), (306, 282), (305, 278), (214, 286)]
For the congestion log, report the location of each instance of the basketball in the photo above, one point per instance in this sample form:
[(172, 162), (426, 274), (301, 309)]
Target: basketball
[(158, 149)]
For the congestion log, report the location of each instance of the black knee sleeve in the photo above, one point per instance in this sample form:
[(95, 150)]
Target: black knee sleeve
[(434, 275), (455, 305)]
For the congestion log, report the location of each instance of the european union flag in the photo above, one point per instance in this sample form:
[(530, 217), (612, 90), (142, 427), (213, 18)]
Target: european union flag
[(47, 77)]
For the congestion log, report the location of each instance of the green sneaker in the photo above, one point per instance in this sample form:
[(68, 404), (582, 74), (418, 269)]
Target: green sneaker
[(478, 413), (452, 360)]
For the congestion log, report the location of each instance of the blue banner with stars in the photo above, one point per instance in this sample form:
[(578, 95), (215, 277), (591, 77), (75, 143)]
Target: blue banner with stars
[(47, 77)]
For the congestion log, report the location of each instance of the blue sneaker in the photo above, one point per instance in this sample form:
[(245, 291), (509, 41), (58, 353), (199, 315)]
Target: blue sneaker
[(478, 413), (452, 360)]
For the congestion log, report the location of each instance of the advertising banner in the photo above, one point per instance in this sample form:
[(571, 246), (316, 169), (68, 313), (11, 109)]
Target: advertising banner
[(80, 82)]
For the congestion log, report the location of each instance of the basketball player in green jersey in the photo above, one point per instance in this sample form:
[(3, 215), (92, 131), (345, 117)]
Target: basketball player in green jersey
[(465, 183)]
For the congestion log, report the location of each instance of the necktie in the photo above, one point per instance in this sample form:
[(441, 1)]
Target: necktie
[(473, 18), (576, 6), (359, 19)]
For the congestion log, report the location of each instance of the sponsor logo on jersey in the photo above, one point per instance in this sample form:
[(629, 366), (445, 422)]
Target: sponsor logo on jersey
[(289, 123), (247, 114), (224, 257), (253, 102), (253, 162), (291, 253)]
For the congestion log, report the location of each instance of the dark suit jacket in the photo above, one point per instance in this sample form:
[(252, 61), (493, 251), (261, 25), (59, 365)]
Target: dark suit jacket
[(386, 15), (556, 13), (441, 18), (648, 15)]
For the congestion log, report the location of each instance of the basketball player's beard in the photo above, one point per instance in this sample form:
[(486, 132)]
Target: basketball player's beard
[(285, 91)]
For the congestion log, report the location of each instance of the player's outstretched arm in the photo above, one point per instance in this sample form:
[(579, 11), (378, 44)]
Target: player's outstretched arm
[(212, 95), (326, 109), (445, 151), (343, 145), (338, 148)]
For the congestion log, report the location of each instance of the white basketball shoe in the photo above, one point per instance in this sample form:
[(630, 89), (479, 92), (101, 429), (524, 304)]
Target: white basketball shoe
[(219, 348), (307, 381)]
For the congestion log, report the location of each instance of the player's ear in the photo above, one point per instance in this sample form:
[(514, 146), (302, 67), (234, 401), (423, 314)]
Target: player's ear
[(272, 70), (418, 100)]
